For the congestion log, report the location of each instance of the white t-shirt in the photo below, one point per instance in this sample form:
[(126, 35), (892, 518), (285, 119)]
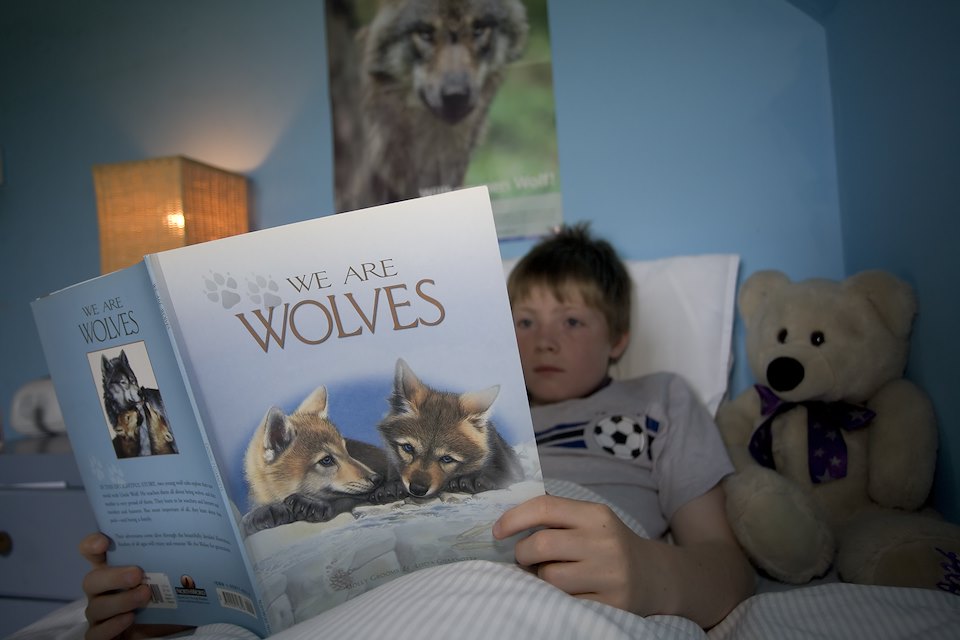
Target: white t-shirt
[(646, 444)]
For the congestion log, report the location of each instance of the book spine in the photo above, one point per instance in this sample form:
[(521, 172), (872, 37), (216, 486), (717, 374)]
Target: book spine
[(155, 273)]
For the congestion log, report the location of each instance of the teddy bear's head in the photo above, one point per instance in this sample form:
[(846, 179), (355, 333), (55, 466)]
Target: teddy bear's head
[(826, 340)]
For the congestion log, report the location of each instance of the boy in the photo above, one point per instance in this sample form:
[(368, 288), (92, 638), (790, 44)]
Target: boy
[(571, 304)]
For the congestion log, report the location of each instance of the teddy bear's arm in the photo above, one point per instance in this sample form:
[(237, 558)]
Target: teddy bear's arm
[(736, 419), (902, 446)]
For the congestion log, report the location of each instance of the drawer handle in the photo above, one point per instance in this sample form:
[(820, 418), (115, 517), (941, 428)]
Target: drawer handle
[(6, 544)]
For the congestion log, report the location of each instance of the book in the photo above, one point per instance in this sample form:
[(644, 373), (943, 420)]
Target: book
[(272, 423)]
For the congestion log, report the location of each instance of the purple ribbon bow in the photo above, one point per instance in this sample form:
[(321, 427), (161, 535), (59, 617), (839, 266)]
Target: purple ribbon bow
[(826, 449)]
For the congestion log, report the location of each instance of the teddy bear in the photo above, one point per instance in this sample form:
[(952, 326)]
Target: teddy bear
[(834, 449)]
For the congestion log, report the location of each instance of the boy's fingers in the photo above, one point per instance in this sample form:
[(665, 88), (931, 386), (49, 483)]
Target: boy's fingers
[(549, 545), (545, 511), (567, 576), (105, 580), (109, 628), (105, 607), (94, 548), (536, 512)]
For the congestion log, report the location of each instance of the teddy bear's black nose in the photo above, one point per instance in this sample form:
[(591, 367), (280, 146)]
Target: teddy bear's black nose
[(784, 374)]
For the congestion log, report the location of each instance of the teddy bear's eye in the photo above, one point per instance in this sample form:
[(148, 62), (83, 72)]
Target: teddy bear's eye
[(817, 338), (782, 336)]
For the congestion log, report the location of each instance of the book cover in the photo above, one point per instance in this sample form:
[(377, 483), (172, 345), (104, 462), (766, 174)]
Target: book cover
[(355, 391), (156, 495)]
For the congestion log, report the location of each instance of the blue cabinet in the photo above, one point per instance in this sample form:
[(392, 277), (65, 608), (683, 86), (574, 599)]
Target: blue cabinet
[(43, 515)]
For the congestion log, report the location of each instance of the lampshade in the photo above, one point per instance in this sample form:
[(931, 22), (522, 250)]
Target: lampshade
[(153, 205)]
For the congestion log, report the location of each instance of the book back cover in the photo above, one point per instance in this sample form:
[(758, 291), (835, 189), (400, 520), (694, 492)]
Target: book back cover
[(143, 458)]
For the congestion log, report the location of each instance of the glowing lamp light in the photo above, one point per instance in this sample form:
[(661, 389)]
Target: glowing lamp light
[(146, 206), (176, 221)]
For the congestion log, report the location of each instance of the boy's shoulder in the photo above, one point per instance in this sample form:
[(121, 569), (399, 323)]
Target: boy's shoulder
[(630, 395), (664, 393), (660, 381)]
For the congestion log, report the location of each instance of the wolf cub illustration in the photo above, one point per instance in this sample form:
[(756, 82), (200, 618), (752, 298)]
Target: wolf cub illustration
[(122, 394), (441, 441), (126, 438), (158, 431), (300, 467)]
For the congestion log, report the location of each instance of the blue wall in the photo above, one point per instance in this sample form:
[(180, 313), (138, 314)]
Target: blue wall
[(238, 85), (685, 126), (895, 71)]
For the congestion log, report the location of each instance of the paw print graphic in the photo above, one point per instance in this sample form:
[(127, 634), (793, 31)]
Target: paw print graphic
[(263, 291), (96, 468), (116, 475), (221, 289)]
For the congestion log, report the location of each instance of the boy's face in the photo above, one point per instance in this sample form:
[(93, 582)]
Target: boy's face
[(565, 347)]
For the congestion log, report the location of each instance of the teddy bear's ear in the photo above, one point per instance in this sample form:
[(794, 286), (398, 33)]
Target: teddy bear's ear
[(756, 288), (893, 298)]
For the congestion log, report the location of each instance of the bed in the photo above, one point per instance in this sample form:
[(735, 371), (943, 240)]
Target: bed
[(684, 324)]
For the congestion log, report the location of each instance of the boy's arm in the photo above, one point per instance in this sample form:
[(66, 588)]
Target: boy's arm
[(706, 568), (587, 551)]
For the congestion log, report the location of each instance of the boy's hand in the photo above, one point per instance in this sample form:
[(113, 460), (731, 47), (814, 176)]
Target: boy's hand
[(585, 550), (113, 593)]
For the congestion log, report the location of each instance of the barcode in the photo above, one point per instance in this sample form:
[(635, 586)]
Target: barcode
[(161, 593), (234, 600), (155, 594)]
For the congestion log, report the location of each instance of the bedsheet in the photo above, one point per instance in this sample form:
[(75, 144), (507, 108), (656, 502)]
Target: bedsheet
[(476, 600)]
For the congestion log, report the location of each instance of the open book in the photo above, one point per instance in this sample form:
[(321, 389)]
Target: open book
[(272, 423)]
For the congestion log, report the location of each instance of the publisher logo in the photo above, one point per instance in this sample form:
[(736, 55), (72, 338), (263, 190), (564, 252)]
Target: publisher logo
[(188, 588)]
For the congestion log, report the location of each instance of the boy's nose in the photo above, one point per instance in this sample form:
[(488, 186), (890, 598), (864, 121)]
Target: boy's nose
[(545, 341)]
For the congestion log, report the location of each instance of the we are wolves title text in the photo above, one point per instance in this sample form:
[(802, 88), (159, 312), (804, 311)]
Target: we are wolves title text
[(120, 323), (313, 321)]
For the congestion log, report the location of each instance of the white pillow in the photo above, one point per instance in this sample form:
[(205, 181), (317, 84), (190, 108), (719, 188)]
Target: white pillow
[(682, 321)]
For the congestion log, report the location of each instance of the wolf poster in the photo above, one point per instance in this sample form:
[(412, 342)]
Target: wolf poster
[(431, 96)]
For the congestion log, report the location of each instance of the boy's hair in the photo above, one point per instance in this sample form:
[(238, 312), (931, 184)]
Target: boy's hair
[(574, 257)]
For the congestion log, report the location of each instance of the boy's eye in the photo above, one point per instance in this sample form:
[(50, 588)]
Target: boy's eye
[(573, 322), (524, 323)]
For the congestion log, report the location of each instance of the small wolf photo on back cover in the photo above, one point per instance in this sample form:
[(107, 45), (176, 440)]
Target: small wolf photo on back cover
[(431, 96), (132, 405)]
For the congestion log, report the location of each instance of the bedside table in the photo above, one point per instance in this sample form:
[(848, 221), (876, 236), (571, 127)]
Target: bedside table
[(43, 515)]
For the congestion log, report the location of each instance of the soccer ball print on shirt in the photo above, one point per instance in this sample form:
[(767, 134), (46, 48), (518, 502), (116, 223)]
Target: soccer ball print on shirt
[(623, 436)]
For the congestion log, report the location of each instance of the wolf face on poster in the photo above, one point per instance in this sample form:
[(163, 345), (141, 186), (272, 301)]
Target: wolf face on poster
[(431, 96)]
